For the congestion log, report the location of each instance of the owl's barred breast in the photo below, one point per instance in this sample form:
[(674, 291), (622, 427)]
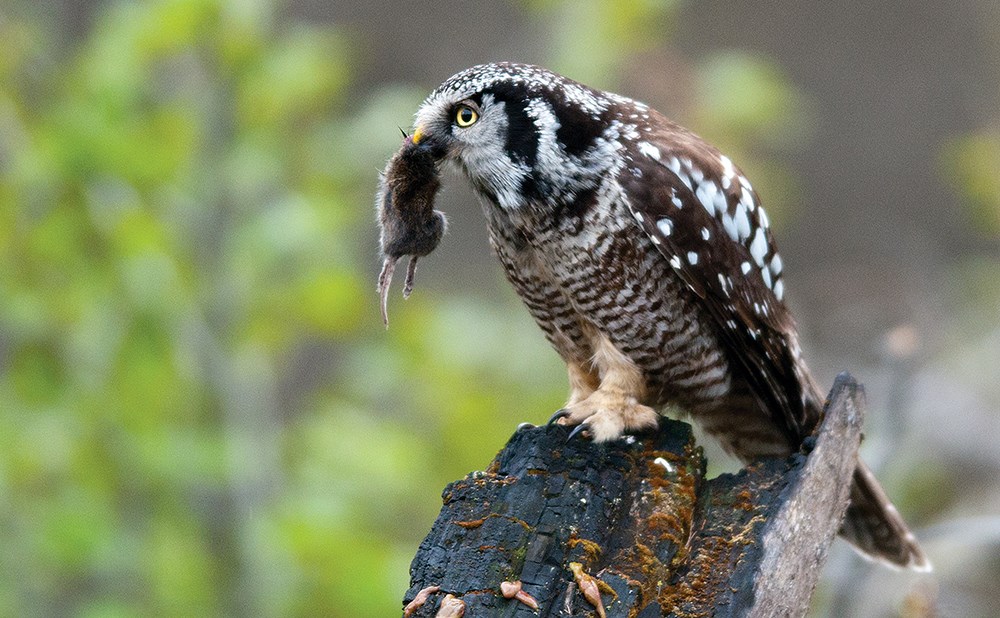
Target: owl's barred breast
[(592, 268)]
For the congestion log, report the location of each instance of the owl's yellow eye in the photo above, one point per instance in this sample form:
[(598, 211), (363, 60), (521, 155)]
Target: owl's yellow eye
[(466, 116)]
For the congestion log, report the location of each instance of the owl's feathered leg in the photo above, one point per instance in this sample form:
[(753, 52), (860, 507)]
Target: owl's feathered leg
[(583, 381), (614, 408)]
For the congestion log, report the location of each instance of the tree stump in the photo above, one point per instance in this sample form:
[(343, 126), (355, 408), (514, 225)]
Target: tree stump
[(638, 518)]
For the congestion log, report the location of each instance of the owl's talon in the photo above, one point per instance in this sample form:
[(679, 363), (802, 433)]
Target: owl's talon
[(562, 413), (578, 430), (608, 415)]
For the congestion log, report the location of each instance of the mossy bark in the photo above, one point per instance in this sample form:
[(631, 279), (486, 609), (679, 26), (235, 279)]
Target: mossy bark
[(640, 516)]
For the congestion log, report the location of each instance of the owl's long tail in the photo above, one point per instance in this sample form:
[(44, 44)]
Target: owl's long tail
[(875, 528)]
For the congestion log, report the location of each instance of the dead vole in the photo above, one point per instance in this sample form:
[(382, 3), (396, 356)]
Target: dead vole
[(409, 223)]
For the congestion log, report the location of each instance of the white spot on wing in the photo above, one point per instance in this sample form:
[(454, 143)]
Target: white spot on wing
[(745, 267), (730, 225), (705, 234), (677, 202), (722, 284), (766, 273), (666, 226), (776, 264), (649, 150), (692, 257), (720, 202), (706, 195), (675, 262), (742, 222), (638, 216), (779, 289), (727, 166), (758, 248)]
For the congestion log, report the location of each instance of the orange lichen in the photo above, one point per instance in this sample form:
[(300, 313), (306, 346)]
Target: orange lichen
[(591, 550), (642, 570), (483, 548), (744, 501), (473, 523), (709, 564), (664, 523), (523, 523), (606, 588), (665, 513)]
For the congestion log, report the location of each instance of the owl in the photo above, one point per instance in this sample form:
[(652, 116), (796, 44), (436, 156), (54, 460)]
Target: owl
[(647, 259)]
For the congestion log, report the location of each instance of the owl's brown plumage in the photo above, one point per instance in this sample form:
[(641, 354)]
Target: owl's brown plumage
[(646, 258)]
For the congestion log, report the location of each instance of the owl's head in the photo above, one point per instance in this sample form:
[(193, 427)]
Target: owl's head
[(522, 134)]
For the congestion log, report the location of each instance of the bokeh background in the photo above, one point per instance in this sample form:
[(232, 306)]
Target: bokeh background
[(200, 412)]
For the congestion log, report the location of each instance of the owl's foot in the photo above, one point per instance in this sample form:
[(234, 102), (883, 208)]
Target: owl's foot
[(607, 416)]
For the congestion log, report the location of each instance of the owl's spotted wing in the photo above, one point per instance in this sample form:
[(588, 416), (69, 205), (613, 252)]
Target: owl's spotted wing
[(706, 220)]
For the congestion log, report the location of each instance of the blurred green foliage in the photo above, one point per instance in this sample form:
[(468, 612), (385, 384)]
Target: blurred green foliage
[(612, 31), (201, 413), (970, 165)]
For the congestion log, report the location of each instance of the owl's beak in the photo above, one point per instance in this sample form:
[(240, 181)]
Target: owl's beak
[(428, 141)]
